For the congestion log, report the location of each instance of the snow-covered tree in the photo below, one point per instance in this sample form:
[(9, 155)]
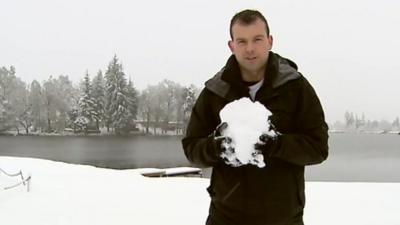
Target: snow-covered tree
[(50, 102), (6, 120), (2, 114), (396, 123), (164, 103), (133, 102), (35, 100), (66, 93), (145, 107), (349, 119), (58, 97), (360, 122), (117, 101), (82, 123), (179, 112), (190, 96), (87, 111), (22, 108), (156, 106), (67, 96), (98, 96), (168, 90), (13, 94), (7, 79)]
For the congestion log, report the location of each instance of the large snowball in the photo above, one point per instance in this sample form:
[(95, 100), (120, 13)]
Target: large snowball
[(246, 121)]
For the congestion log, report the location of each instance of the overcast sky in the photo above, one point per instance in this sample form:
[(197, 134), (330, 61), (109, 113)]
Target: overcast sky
[(348, 50)]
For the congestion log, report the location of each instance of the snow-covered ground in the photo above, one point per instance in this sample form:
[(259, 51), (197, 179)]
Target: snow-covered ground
[(81, 195)]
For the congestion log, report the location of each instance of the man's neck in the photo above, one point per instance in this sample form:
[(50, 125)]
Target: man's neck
[(251, 76)]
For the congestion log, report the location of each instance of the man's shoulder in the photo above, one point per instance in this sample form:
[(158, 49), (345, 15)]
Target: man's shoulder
[(287, 71), (216, 85)]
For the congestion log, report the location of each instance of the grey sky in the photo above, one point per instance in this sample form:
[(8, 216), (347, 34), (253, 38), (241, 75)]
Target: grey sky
[(348, 50)]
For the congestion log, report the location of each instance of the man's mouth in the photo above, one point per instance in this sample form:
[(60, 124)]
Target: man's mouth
[(251, 58)]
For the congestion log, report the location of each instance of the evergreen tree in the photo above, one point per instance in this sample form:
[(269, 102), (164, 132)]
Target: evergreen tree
[(98, 96), (133, 100), (87, 112), (117, 111)]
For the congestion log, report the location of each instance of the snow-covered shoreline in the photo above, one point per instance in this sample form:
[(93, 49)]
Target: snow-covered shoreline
[(77, 194)]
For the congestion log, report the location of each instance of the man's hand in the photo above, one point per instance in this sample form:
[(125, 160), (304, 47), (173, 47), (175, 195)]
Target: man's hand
[(265, 143), (224, 146), (220, 140), (267, 140), (219, 130)]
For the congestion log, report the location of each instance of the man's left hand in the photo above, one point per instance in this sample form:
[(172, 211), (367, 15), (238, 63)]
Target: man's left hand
[(265, 143)]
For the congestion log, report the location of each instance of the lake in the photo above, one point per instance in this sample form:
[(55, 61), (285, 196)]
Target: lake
[(353, 157)]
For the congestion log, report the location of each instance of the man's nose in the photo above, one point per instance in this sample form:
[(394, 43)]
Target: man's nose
[(249, 47)]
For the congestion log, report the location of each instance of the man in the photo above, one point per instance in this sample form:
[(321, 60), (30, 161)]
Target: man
[(248, 195)]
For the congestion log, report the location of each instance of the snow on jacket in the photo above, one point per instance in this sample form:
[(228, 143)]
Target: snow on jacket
[(248, 194)]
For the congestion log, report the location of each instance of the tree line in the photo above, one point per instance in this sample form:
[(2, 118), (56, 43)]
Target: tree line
[(354, 121), (108, 101)]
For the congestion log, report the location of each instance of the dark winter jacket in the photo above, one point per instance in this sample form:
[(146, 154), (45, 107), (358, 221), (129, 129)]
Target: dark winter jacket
[(248, 194)]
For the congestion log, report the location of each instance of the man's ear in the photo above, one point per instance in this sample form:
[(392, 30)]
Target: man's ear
[(271, 42), (231, 46)]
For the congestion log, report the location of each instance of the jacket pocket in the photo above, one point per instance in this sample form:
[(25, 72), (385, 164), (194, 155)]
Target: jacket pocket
[(231, 191), (226, 185)]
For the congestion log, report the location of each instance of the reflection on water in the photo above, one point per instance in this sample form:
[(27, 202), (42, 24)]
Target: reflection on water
[(353, 157)]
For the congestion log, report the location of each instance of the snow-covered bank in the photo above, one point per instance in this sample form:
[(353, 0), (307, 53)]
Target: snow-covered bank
[(80, 195)]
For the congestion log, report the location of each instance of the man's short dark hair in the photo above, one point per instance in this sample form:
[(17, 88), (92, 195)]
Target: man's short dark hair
[(247, 17)]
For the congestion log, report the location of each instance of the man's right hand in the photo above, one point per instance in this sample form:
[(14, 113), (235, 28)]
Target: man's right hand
[(221, 142), (223, 146), (219, 138), (220, 129)]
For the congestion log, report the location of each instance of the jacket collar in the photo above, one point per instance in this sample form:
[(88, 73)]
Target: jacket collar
[(227, 83)]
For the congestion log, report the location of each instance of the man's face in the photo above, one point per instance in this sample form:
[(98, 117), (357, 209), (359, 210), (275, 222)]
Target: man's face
[(251, 45)]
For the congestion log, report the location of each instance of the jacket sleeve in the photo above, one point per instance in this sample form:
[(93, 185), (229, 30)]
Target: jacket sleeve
[(198, 143), (308, 144)]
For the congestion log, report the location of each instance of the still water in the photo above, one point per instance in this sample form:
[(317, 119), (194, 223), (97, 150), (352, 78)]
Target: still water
[(353, 157), (107, 151)]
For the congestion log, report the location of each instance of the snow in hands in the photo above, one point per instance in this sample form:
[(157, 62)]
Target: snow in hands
[(247, 121)]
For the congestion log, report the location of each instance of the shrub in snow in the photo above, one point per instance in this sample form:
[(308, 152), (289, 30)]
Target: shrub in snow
[(247, 121), (81, 122)]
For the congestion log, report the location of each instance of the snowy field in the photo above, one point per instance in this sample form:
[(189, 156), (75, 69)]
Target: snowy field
[(80, 195)]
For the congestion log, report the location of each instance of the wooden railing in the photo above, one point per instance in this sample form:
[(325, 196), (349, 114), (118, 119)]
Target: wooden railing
[(26, 181)]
